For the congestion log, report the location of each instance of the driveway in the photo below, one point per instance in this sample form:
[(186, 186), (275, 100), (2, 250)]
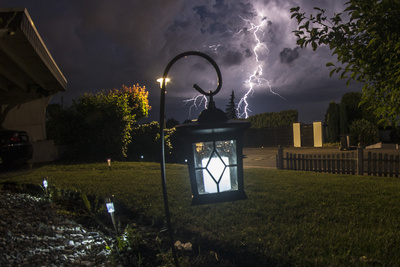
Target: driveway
[(266, 157), (260, 157)]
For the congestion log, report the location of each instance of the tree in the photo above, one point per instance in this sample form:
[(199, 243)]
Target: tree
[(137, 100), (349, 110), (352, 103), (367, 45), (99, 125), (145, 142), (171, 123), (273, 119), (230, 110), (363, 132), (332, 119)]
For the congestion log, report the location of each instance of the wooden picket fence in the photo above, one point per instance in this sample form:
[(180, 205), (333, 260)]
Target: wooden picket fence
[(375, 164)]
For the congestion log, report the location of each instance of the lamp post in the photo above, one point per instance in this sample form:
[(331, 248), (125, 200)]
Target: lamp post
[(214, 148)]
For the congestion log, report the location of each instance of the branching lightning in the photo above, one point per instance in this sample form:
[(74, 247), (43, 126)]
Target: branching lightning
[(196, 101), (255, 78)]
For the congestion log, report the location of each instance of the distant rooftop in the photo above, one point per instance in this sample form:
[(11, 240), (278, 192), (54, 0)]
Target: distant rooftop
[(27, 69)]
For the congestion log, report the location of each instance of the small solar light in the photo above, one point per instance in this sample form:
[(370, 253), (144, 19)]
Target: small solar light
[(110, 208), (45, 184), (109, 163)]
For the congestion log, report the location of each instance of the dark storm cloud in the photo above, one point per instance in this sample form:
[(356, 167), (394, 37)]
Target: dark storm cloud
[(232, 58), (289, 55), (248, 53), (222, 17), (100, 44)]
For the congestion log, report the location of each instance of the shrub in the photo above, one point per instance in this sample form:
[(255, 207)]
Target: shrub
[(272, 119), (363, 132), (145, 143), (395, 135), (98, 126), (332, 119)]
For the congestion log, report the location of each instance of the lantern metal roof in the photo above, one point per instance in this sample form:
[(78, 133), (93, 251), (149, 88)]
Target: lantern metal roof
[(27, 69)]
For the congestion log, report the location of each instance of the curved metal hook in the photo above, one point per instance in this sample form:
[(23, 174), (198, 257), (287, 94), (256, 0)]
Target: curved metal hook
[(162, 118), (195, 86)]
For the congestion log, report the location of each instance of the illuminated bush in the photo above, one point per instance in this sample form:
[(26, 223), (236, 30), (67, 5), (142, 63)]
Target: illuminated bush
[(98, 126)]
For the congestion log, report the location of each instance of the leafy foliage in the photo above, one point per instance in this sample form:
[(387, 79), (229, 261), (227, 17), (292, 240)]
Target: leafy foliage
[(340, 116), (332, 119), (131, 243), (171, 123), (363, 132), (350, 110), (271, 119), (97, 126), (146, 144), (366, 40)]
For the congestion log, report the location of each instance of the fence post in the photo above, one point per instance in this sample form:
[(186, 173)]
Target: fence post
[(360, 161), (280, 158)]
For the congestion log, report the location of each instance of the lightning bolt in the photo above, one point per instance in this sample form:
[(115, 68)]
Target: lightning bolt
[(255, 78), (196, 101)]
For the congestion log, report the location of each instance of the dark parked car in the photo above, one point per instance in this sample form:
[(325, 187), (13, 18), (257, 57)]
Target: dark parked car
[(15, 147)]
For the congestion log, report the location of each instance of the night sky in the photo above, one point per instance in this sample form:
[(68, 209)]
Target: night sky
[(100, 45)]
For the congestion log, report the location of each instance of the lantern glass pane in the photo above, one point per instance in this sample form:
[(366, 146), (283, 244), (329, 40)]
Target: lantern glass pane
[(215, 166), (202, 150), (227, 149)]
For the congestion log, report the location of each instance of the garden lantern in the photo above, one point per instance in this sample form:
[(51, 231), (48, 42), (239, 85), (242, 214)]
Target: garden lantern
[(214, 150), (214, 145)]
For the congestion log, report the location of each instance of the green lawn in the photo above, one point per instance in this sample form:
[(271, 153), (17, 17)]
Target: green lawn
[(290, 218)]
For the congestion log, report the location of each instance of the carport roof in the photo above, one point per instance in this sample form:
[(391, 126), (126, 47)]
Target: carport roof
[(27, 69)]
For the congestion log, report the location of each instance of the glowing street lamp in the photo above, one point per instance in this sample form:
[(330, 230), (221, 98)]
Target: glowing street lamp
[(160, 80), (214, 147)]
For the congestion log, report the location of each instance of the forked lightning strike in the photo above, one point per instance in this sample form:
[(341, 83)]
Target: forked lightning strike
[(194, 101), (255, 78)]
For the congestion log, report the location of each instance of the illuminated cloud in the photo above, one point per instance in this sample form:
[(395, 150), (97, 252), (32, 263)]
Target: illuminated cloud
[(100, 44)]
